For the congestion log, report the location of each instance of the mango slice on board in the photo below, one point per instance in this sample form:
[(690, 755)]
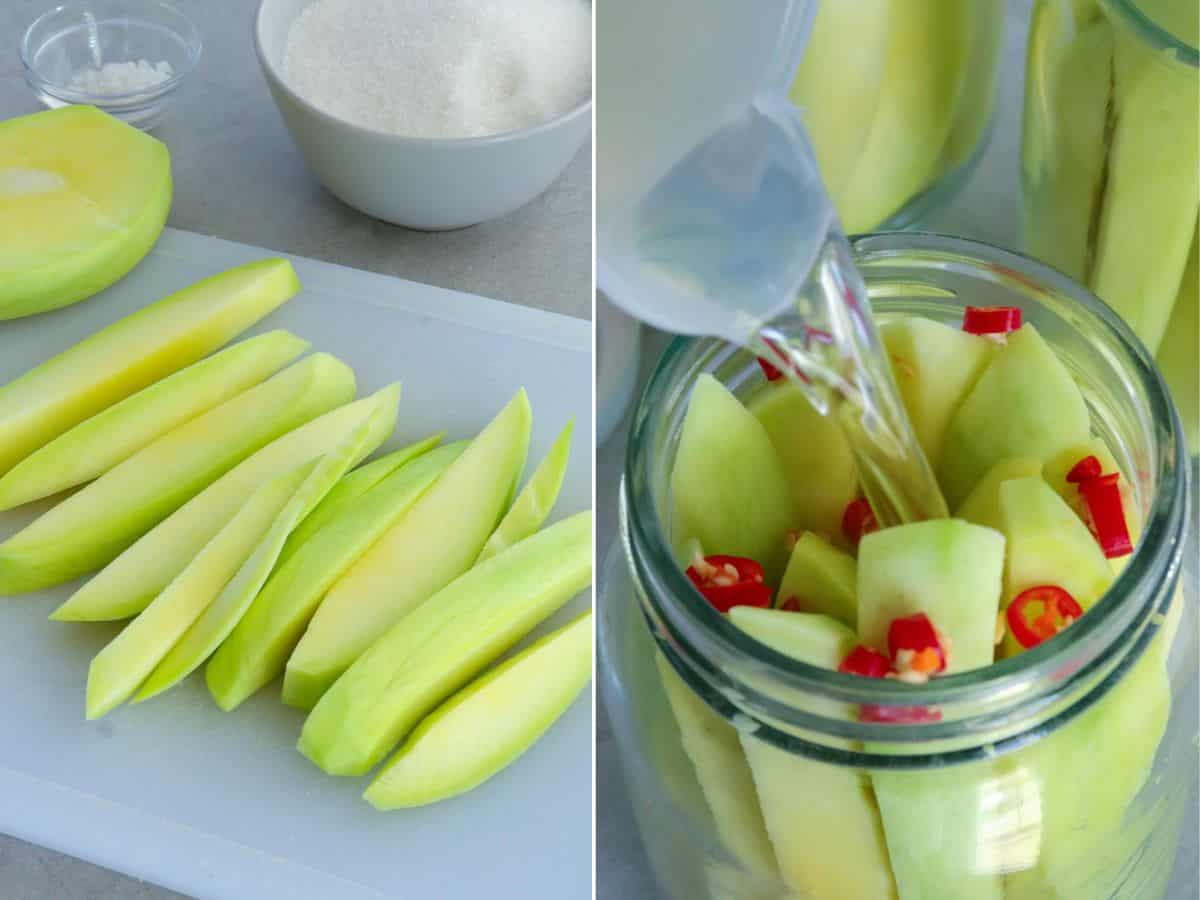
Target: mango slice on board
[(92, 527), (443, 643), (83, 197), (136, 351), (488, 724)]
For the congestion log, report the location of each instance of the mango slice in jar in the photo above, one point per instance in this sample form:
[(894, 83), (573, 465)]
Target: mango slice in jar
[(83, 197)]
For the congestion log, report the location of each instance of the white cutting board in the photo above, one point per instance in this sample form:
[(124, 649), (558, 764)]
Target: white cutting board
[(220, 805)]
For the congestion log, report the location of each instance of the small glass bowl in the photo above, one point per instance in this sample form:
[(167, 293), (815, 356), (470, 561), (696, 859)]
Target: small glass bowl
[(76, 37)]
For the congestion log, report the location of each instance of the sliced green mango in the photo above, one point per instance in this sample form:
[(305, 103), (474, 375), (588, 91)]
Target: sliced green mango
[(93, 526), (1047, 544), (948, 569), (345, 493), (935, 367), (136, 351), (134, 578), (723, 773), (83, 198), (488, 724), (110, 437), (130, 657), (927, 60), (432, 544), (443, 643), (221, 616), (976, 101), (822, 579), (1111, 748), (536, 499), (728, 488), (982, 506), (1148, 223), (835, 109), (839, 856), (1180, 349), (1066, 116), (257, 649), (817, 461), (1024, 404)]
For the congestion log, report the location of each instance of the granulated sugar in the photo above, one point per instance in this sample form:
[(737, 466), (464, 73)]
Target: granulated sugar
[(121, 77), (442, 68)]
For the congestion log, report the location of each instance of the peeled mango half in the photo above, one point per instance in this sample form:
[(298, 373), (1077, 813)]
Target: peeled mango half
[(83, 197)]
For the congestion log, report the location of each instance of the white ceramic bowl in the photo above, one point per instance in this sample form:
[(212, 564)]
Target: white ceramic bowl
[(431, 184)]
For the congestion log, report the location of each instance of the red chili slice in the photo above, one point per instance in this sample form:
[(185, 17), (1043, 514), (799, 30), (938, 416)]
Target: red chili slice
[(991, 319), (1085, 470), (772, 371), (791, 604), (1055, 610), (729, 581), (898, 715), (864, 661), (1103, 498), (916, 634), (858, 520)]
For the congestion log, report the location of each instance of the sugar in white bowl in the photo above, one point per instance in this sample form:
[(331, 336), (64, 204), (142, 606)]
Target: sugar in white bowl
[(442, 68)]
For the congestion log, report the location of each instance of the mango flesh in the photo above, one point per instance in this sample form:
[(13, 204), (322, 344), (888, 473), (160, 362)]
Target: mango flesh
[(935, 366), (220, 616), (946, 568), (488, 724), (127, 660), (110, 437), (822, 579), (1047, 545), (257, 649), (1024, 404), (808, 443), (83, 198), (927, 62), (133, 579), (716, 754), (839, 856), (531, 507), (135, 352), (437, 540), (93, 526), (345, 493), (1147, 223), (443, 643), (728, 487), (982, 506), (1180, 349)]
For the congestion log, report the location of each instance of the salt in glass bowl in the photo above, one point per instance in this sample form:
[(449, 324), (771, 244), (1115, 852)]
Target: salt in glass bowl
[(75, 37)]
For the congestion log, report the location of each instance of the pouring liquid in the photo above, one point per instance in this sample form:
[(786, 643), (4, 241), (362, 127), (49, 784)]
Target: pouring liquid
[(739, 240)]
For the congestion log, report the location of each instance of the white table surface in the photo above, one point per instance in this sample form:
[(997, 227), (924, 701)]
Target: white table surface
[(986, 209), (239, 176)]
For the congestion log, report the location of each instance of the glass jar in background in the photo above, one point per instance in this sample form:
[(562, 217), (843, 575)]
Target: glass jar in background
[(1063, 772), (1111, 167), (897, 98)]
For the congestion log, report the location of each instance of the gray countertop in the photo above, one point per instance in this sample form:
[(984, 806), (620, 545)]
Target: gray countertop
[(239, 176), (986, 209)]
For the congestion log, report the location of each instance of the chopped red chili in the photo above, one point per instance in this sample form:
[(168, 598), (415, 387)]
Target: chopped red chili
[(1107, 512), (791, 604), (1085, 470), (858, 520), (916, 635), (729, 581), (991, 319), (864, 661), (1041, 612)]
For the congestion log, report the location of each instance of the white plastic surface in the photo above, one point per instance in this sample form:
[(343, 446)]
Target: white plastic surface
[(220, 805)]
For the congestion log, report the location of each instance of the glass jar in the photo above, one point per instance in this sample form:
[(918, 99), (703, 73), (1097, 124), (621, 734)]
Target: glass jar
[(1111, 167), (1060, 773), (897, 98)]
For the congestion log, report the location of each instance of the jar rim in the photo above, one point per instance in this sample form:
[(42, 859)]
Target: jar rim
[(1009, 690)]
